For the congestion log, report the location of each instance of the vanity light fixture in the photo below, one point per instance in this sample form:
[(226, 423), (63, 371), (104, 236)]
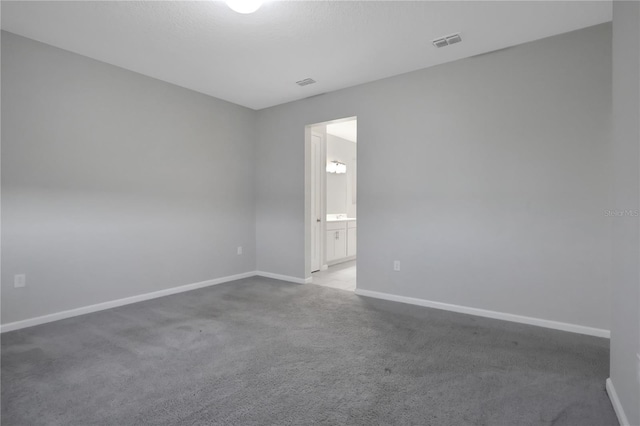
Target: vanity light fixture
[(244, 6), (336, 167)]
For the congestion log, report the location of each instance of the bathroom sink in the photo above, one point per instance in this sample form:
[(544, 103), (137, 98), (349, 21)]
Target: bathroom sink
[(340, 218)]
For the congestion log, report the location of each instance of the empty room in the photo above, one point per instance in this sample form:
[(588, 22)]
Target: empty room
[(320, 213)]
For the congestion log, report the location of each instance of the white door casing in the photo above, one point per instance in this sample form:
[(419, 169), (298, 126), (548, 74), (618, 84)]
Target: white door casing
[(316, 201)]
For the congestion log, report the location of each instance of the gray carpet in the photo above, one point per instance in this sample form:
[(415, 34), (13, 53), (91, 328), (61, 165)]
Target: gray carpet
[(265, 352)]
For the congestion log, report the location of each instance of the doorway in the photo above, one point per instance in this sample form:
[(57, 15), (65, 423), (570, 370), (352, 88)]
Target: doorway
[(332, 210)]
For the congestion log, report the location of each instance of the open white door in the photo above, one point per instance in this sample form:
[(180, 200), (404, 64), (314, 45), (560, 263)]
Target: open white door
[(316, 203)]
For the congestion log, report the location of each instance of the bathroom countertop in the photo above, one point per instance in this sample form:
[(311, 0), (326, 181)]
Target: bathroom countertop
[(344, 219)]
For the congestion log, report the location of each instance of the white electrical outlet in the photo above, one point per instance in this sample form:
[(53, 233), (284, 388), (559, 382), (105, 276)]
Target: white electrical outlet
[(240, 250), (19, 280), (396, 265)]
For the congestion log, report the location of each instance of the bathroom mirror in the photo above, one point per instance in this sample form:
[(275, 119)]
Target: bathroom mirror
[(341, 176)]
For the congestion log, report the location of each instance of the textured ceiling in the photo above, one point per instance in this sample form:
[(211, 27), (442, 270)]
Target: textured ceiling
[(254, 60)]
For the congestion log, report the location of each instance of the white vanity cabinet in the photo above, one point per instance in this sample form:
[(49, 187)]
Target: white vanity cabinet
[(340, 240)]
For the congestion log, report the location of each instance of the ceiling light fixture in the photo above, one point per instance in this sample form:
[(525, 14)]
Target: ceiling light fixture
[(244, 6)]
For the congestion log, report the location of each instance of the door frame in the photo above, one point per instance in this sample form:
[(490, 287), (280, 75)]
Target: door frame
[(318, 183), (323, 198)]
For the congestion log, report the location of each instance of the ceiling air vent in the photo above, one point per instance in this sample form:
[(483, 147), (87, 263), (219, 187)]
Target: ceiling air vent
[(454, 39), (305, 82), (447, 40), (440, 42)]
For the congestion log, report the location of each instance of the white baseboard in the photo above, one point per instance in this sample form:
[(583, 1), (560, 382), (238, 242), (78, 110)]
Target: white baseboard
[(617, 406), (283, 277), (574, 328), (368, 293), (17, 325), (119, 302)]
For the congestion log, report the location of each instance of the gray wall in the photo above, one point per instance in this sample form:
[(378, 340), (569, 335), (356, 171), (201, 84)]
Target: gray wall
[(625, 325), (115, 184), (501, 179)]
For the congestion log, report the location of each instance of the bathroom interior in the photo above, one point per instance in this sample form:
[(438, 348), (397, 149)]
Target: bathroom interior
[(339, 245)]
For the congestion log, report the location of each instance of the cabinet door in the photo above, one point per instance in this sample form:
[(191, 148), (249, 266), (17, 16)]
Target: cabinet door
[(330, 245), (351, 241), (341, 243), (336, 244)]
